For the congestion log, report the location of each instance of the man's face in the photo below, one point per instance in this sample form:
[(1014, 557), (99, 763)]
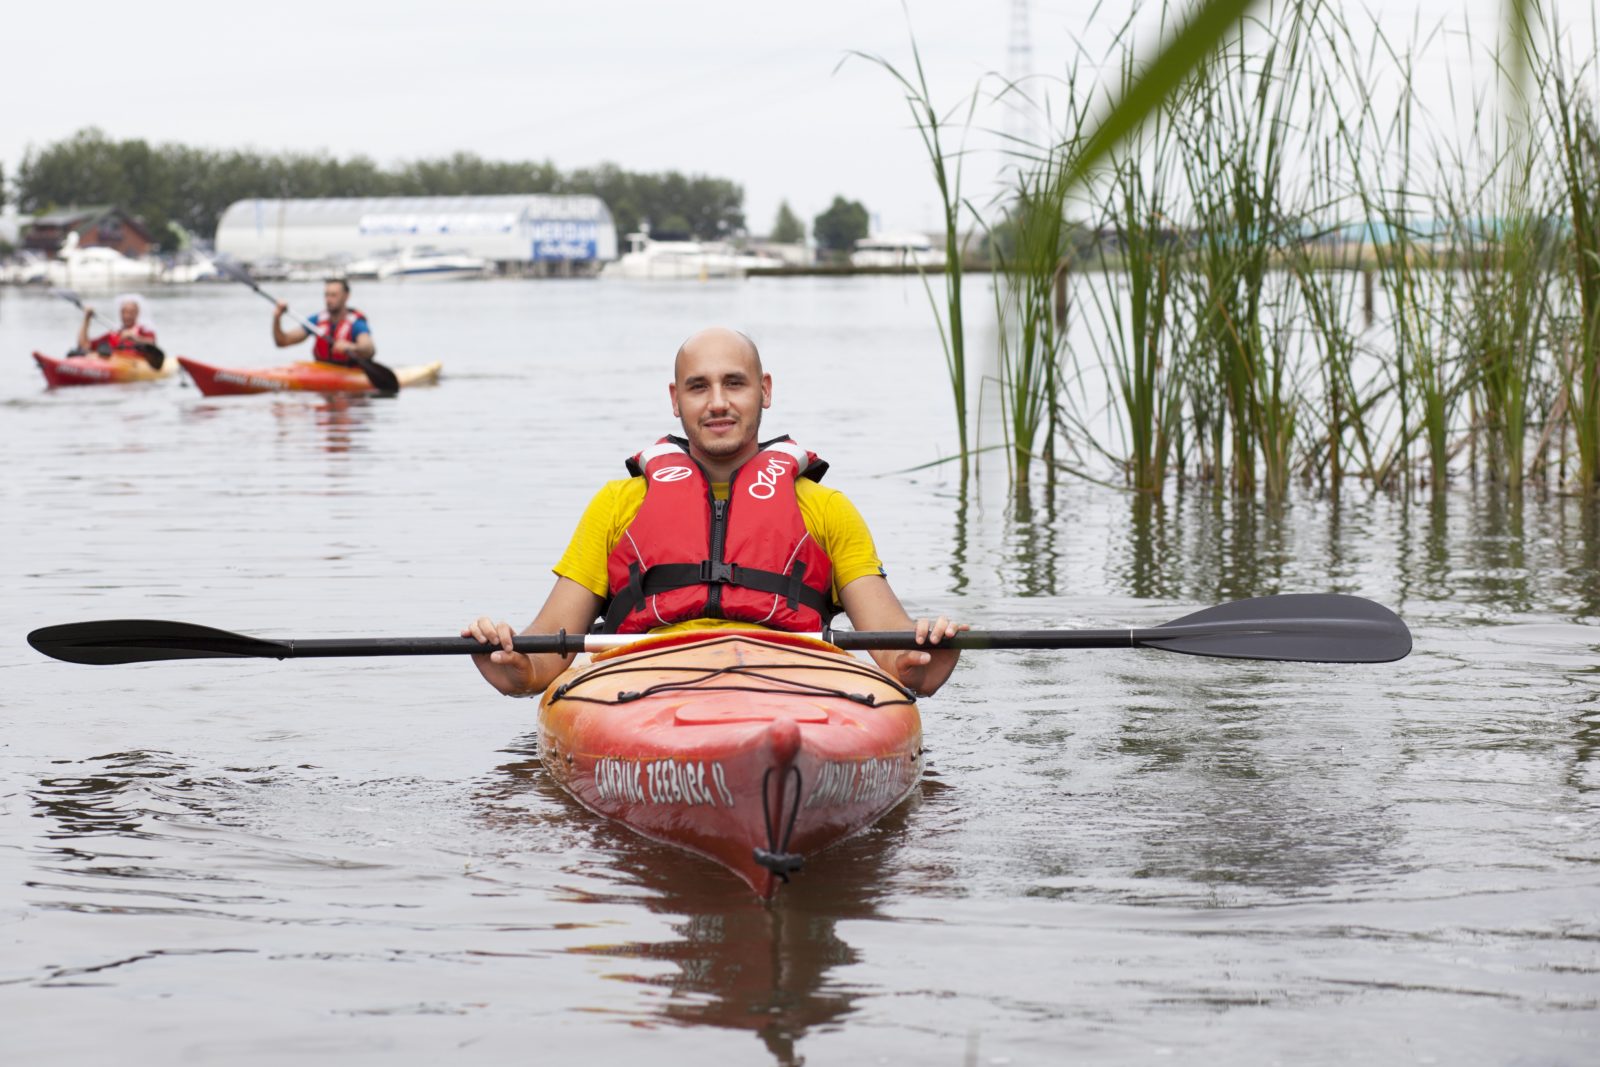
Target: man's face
[(333, 297), (719, 393), (130, 314)]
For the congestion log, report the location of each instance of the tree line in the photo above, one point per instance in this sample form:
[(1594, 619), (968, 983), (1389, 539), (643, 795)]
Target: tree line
[(189, 186)]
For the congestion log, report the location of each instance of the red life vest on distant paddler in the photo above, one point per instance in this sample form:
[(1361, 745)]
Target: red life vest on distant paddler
[(749, 558), (323, 349), (118, 342)]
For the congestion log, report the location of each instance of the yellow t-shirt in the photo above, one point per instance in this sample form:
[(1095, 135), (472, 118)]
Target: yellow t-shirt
[(833, 521)]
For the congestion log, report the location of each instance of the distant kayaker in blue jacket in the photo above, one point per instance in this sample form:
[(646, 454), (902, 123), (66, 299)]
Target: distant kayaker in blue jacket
[(342, 331)]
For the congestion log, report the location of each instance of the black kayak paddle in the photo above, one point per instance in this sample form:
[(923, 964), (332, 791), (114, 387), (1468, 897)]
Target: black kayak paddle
[(384, 380), (1311, 628)]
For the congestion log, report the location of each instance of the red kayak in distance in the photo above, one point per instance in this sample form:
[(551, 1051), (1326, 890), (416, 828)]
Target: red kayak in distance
[(757, 750), (62, 371), (306, 376)]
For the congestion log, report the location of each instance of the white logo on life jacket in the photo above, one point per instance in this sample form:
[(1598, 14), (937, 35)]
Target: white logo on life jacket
[(671, 474), (766, 482)]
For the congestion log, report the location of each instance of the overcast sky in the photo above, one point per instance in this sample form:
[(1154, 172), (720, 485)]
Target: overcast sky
[(743, 89)]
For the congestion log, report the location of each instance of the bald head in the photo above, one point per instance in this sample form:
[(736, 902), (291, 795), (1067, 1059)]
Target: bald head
[(718, 391), (719, 343)]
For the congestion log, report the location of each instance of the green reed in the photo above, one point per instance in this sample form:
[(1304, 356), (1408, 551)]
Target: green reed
[(1327, 269), (1421, 383), (1029, 340), (1578, 169), (932, 125), (1508, 273), (1143, 335), (1239, 130)]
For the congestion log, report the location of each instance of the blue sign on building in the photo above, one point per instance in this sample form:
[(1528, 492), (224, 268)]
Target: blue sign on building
[(559, 239)]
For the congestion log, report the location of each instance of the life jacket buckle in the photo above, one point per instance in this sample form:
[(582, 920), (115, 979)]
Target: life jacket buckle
[(717, 572)]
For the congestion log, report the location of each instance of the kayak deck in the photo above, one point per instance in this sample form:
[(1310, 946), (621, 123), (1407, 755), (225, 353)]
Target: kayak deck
[(305, 376), (753, 749), (62, 371)]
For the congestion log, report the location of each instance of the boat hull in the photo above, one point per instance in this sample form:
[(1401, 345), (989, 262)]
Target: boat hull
[(730, 744), (306, 376), (63, 371)]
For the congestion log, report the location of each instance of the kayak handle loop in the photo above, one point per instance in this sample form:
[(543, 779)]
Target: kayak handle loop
[(776, 857)]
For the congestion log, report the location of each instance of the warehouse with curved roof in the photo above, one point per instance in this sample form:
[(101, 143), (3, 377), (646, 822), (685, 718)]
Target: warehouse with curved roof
[(520, 234)]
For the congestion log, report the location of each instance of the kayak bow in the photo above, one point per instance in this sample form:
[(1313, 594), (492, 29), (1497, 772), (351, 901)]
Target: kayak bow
[(754, 749)]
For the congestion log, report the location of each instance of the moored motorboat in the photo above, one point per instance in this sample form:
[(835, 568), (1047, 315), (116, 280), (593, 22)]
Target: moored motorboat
[(305, 376), (62, 371), (754, 749), (433, 265)]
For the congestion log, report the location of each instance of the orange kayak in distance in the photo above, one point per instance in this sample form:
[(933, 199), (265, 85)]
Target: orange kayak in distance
[(62, 371), (306, 376), (755, 749)]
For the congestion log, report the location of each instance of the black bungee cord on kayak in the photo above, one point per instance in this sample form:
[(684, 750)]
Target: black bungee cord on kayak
[(776, 857), (752, 671)]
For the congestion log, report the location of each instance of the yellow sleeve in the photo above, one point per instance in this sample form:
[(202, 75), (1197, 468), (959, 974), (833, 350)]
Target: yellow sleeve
[(840, 530), (598, 532)]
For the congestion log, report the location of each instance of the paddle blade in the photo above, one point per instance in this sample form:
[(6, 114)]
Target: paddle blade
[(1305, 627), (142, 640), (152, 355), (382, 378)]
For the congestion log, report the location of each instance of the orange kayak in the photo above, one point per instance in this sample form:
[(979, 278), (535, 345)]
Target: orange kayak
[(61, 371), (753, 749), (306, 376)]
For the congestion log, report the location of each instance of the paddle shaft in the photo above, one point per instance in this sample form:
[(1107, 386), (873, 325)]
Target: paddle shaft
[(311, 331), (566, 644)]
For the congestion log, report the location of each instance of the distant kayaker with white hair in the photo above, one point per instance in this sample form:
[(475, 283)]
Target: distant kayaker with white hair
[(135, 331), (718, 529), (342, 331)]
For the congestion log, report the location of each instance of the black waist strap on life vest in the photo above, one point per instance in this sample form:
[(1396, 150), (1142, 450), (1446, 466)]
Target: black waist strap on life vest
[(665, 577)]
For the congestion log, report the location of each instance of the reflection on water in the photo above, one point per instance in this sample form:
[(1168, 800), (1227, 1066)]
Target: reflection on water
[(1033, 555), (734, 962)]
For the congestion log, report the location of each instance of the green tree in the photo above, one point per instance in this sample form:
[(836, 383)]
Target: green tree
[(191, 186), (787, 229), (841, 226)]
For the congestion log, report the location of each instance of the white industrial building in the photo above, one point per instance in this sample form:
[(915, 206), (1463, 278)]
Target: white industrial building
[(519, 234)]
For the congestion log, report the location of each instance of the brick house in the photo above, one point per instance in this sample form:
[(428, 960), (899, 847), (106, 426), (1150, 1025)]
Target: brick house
[(104, 226)]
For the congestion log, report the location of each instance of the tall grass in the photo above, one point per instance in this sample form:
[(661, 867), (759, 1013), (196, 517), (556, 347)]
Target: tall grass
[(1143, 340), (1241, 126), (1029, 339), (1240, 195), (1578, 155), (932, 126)]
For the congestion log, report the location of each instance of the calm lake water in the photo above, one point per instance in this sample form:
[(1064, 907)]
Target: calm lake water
[(1115, 857)]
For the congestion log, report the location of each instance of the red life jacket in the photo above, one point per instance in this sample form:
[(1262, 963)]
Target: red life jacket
[(119, 343), (749, 558), (323, 349)]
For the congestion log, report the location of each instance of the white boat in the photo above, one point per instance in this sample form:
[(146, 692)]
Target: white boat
[(26, 268), (897, 250), (647, 258), (98, 268), (432, 265), (366, 268), (188, 267)]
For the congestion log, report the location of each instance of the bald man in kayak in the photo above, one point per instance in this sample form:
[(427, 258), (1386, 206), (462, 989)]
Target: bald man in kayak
[(773, 548), (342, 331)]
